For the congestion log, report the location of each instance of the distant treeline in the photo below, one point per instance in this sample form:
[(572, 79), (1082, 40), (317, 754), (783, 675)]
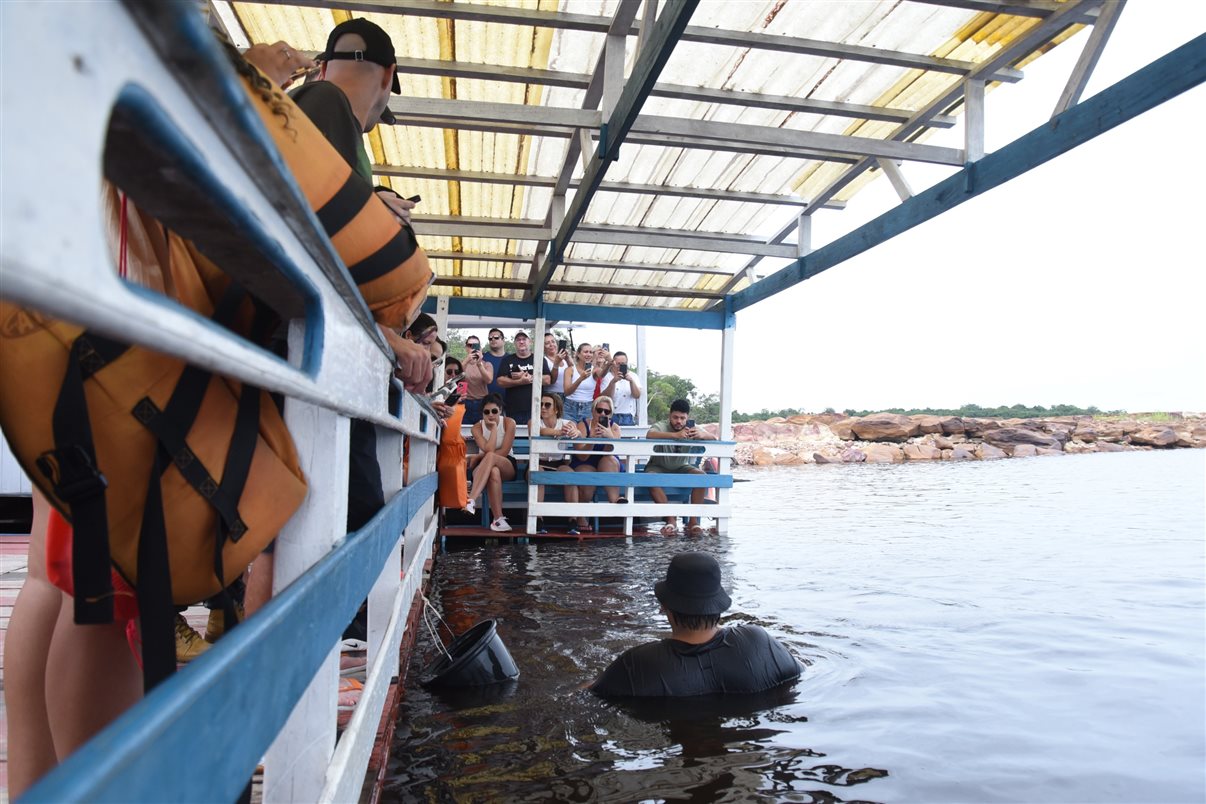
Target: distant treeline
[(971, 411)]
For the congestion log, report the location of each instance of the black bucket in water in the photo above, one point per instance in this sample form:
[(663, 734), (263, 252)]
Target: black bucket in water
[(474, 659)]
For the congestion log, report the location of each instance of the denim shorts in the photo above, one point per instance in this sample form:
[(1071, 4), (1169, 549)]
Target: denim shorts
[(577, 411), (624, 419)]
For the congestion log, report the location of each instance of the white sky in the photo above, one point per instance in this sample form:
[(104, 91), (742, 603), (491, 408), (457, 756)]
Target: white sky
[(1080, 282)]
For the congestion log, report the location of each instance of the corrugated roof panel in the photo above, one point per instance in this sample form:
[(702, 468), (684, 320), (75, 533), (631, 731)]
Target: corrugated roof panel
[(918, 28)]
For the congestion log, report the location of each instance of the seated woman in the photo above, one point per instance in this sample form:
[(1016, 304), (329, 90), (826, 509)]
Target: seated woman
[(492, 465), (599, 425), (553, 426)]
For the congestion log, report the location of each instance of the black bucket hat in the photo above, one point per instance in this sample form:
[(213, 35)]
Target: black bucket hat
[(692, 586)]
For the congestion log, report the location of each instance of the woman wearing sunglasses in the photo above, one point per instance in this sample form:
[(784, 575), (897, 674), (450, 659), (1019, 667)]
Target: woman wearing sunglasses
[(492, 465), (599, 425), (553, 426)]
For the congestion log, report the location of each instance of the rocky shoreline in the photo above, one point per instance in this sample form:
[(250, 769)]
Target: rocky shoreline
[(893, 438)]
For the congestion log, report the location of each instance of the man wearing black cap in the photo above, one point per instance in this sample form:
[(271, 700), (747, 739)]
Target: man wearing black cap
[(700, 657)]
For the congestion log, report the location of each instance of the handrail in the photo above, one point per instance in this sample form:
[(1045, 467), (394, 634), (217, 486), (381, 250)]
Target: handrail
[(634, 451), (268, 689)]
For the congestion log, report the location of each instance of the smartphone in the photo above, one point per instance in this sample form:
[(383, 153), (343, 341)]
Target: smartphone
[(623, 369), (605, 422), (453, 398), (690, 424), (561, 344), (415, 198), (606, 347)]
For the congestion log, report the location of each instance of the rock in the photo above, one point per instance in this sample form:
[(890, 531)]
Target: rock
[(921, 452), (1024, 451), (820, 459), (853, 455), (962, 453), (884, 427), (1186, 439), (973, 427), (842, 430), (883, 453), (928, 424), (1156, 436), (1085, 431), (765, 456), (953, 425), (987, 452), (1011, 436), (1042, 451), (1109, 446), (946, 454), (942, 442)]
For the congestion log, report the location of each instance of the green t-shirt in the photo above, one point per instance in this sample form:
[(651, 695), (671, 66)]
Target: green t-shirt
[(670, 461)]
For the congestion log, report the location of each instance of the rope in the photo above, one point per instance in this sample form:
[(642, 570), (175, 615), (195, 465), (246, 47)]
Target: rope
[(435, 636)]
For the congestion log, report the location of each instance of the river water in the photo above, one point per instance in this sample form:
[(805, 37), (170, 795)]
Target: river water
[(1018, 630)]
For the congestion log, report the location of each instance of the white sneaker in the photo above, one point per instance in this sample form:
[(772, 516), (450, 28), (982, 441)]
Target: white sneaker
[(500, 525), (471, 506)]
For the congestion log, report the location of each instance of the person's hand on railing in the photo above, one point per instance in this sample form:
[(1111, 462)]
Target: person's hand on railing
[(398, 205), (414, 367), (280, 61)]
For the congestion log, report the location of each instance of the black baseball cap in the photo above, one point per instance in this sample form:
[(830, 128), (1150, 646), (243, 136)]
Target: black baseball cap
[(378, 47)]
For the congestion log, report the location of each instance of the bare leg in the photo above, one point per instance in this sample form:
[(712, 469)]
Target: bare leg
[(481, 475), (259, 583), (609, 464), (494, 492), (96, 678), (26, 645), (584, 493), (697, 497)]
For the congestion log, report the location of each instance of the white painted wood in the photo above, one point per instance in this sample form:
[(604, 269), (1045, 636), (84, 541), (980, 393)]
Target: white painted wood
[(586, 148), (728, 337), (385, 589), (649, 509), (973, 119), (345, 776), (295, 765), (538, 351), (899, 183), (641, 355), (803, 237), (648, 17), (1085, 65), (613, 72)]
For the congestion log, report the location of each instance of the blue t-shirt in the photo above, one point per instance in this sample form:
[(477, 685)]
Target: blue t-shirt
[(741, 659), (496, 361)]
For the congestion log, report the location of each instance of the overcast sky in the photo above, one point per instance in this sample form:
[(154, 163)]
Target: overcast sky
[(1080, 282)]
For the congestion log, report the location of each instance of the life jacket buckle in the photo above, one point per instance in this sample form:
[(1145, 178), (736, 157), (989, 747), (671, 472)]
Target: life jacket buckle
[(73, 473)]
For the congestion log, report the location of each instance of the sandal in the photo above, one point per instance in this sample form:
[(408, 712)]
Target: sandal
[(573, 531), (669, 530), (621, 500), (696, 530), (470, 507)]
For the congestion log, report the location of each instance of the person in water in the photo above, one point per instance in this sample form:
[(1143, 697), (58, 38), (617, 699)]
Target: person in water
[(700, 657)]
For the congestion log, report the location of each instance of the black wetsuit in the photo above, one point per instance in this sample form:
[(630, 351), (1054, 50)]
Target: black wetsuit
[(741, 659)]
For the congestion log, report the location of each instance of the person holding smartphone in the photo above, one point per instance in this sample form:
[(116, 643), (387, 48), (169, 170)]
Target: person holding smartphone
[(599, 425), (478, 376), (624, 388), (580, 384), (677, 460), (552, 425)]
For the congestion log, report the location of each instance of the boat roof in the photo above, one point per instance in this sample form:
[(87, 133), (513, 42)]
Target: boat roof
[(675, 174)]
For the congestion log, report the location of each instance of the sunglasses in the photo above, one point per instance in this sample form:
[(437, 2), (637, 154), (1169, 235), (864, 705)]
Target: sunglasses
[(491, 411), (602, 410), (546, 404), (496, 337)]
